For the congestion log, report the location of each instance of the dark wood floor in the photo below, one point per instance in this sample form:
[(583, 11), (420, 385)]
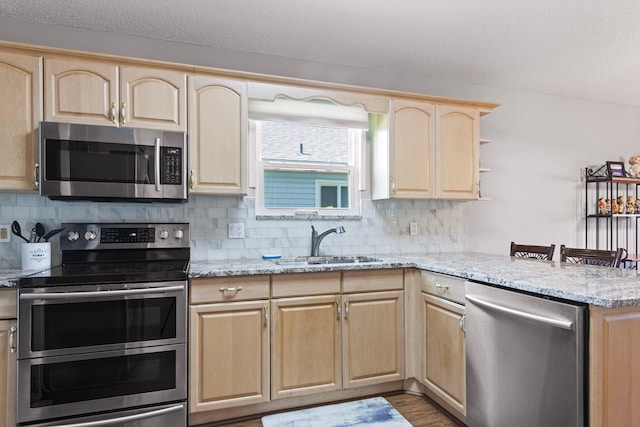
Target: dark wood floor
[(419, 411)]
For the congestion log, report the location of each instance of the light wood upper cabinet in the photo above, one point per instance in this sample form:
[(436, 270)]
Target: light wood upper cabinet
[(458, 152), (373, 338), (413, 150), (306, 346), (426, 151), (218, 135), (104, 93), (20, 114)]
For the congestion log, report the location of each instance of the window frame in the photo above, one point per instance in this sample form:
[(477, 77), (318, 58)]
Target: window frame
[(354, 170)]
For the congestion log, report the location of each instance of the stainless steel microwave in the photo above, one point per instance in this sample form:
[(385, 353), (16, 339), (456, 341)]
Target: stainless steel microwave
[(103, 163)]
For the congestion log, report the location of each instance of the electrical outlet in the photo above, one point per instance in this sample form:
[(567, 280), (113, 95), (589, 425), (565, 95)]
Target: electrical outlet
[(236, 230), (413, 228), (5, 233)]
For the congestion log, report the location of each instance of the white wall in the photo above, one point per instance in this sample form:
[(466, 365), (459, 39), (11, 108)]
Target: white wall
[(539, 145)]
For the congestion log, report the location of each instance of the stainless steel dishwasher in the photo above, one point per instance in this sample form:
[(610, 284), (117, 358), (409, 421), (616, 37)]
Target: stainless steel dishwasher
[(526, 359)]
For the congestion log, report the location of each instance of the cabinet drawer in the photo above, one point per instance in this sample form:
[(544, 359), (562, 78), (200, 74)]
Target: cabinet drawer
[(448, 287), (302, 284), (222, 289), (8, 304), (372, 280)]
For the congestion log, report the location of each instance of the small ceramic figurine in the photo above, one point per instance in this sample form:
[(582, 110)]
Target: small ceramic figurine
[(634, 168), (636, 209), (630, 204), (601, 206), (614, 206), (607, 207)]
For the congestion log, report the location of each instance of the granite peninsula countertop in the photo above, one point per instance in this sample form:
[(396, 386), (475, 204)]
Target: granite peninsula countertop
[(602, 286)]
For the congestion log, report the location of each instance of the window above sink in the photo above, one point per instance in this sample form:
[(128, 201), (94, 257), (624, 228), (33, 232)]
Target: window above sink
[(309, 157)]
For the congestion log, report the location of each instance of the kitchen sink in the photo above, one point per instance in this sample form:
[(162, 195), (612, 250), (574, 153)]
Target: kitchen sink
[(317, 260)]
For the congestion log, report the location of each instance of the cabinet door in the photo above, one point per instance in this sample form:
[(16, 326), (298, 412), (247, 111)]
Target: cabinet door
[(20, 112), (218, 135), (229, 355), (153, 98), (458, 130), (373, 338), (7, 373), (306, 351), (443, 357), (84, 92), (413, 131)]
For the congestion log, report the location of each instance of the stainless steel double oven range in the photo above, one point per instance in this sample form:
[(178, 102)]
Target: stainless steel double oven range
[(102, 339)]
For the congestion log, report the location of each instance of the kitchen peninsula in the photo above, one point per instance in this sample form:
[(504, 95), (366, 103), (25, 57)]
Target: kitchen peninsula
[(613, 296)]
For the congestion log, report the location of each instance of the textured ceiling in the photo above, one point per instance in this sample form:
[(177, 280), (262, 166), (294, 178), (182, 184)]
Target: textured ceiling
[(580, 48)]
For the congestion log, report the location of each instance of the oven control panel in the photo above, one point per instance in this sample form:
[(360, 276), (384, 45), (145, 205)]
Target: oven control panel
[(96, 236)]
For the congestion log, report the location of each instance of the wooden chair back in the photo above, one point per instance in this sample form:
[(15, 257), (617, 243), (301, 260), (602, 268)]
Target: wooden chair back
[(532, 251), (601, 257)]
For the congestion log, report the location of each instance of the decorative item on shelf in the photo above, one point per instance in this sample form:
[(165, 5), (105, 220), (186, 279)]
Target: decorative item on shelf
[(630, 204), (607, 209), (615, 169), (621, 205), (636, 208), (614, 206), (602, 206), (634, 166)]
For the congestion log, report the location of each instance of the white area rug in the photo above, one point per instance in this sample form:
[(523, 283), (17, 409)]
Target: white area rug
[(368, 412)]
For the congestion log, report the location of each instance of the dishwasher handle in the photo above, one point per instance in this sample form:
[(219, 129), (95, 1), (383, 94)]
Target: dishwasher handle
[(556, 323)]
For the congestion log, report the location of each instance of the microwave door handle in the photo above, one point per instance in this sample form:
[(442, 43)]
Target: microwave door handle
[(157, 171), (125, 419)]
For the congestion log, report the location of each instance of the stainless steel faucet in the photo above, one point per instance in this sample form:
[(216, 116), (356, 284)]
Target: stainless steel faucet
[(316, 238)]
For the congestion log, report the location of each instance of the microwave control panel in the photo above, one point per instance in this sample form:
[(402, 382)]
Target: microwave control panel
[(171, 161)]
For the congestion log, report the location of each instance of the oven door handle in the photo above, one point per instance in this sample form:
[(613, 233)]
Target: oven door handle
[(90, 294), (125, 419)]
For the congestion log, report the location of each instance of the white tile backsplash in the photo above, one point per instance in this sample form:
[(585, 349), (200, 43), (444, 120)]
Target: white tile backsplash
[(382, 229)]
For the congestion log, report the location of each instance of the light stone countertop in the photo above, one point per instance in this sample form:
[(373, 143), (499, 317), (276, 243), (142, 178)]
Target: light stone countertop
[(602, 286)]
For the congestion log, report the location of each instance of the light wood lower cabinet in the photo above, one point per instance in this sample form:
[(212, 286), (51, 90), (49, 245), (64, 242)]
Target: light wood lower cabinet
[(614, 373), (7, 358), (7, 373), (373, 338), (443, 370), (306, 336), (229, 345)]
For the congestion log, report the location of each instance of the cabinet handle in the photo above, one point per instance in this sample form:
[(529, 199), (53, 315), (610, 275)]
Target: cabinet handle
[(192, 180), (346, 309), (265, 315), (12, 339), (462, 325), (113, 113), (236, 290), (122, 113), (443, 288), (338, 308), (36, 172)]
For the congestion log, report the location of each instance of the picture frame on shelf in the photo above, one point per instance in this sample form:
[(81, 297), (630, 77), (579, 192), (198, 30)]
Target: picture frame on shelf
[(616, 169)]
